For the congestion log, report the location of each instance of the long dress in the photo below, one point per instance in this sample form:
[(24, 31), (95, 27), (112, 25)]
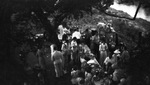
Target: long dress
[(57, 59), (103, 53)]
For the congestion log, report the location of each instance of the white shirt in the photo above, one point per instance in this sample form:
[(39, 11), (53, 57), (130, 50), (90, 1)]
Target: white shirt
[(61, 31), (103, 47), (76, 34), (107, 60), (52, 49), (73, 43), (65, 30)]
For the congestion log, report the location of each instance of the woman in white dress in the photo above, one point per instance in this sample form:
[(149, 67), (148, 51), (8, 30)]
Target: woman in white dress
[(103, 52)]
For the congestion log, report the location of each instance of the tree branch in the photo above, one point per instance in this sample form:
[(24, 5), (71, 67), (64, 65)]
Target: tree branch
[(114, 15)]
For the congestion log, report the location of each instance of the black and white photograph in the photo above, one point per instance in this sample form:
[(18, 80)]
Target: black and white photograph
[(75, 42)]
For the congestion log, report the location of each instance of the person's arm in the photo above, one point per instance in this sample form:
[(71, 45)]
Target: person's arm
[(52, 57), (71, 44), (52, 50), (106, 46), (71, 55), (106, 61), (62, 47), (100, 47)]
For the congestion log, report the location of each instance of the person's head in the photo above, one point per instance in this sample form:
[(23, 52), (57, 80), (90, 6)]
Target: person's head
[(103, 39), (109, 64), (74, 38), (76, 29), (117, 52), (102, 42), (82, 81), (64, 42), (125, 48), (88, 69), (54, 47), (87, 30), (87, 58), (75, 67), (38, 51)]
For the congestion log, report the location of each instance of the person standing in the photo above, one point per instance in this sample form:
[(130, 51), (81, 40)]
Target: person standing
[(41, 60), (87, 37), (95, 44), (103, 52), (74, 48), (60, 33), (76, 34), (115, 59), (107, 62), (66, 55), (57, 58), (125, 55)]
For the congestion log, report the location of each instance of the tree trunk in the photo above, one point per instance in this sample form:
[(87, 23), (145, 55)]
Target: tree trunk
[(50, 27)]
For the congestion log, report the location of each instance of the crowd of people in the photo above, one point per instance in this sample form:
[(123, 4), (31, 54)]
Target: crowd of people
[(89, 58), (86, 56)]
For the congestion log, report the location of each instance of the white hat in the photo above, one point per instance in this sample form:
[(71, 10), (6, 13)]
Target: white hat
[(117, 51), (91, 62)]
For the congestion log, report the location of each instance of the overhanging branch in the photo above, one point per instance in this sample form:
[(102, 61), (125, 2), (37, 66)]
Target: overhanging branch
[(114, 15)]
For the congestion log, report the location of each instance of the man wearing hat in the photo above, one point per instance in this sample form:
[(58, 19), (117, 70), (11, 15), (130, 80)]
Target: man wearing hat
[(115, 58), (117, 52)]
